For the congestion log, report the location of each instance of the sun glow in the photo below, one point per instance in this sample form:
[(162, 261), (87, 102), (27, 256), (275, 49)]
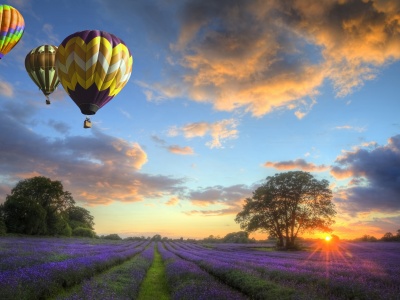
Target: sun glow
[(328, 238)]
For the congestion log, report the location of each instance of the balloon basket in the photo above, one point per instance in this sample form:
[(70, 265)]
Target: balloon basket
[(48, 101), (87, 123)]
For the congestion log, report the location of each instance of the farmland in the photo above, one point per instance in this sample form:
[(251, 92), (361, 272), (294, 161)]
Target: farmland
[(68, 268)]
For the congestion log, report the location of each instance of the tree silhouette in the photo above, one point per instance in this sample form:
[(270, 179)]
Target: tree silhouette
[(287, 204)]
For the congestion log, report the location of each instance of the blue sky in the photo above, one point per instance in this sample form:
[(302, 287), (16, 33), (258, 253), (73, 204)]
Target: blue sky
[(222, 94)]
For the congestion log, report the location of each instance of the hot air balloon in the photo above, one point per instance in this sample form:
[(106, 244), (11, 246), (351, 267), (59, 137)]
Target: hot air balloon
[(11, 30), (93, 67), (40, 65)]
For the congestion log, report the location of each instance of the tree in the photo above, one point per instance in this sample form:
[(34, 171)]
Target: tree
[(36, 206), (156, 237), (334, 238), (112, 236), (288, 204), (388, 236), (212, 239), (79, 217), (237, 237), (3, 228)]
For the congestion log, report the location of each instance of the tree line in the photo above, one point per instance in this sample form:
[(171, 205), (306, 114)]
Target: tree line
[(40, 206), (387, 237)]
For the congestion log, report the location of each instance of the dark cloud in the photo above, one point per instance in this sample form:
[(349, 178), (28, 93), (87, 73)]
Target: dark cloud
[(96, 169), (375, 175), (230, 196), (60, 127), (158, 140)]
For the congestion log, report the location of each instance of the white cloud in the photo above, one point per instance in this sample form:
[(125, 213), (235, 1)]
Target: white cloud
[(6, 89)]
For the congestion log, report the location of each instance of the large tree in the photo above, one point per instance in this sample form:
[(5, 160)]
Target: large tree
[(288, 204), (36, 206)]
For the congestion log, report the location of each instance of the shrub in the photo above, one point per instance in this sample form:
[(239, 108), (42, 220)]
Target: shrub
[(83, 232), (112, 236), (60, 227)]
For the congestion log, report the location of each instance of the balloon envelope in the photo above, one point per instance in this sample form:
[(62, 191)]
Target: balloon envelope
[(40, 65), (12, 27), (93, 66)]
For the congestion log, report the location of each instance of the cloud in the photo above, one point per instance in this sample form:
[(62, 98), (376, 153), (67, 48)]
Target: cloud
[(158, 140), (260, 56), (97, 169), (175, 149), (219, 131), (299, 164), (212, 213), (50, 35), (231, 196), (6, 89), (125, 113), (375, 178), (382, 224), (173, 201), (60, 127), (348, 127)]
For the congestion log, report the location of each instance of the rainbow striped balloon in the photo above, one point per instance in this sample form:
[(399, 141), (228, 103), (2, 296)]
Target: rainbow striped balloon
[(93, 67), (12, 28)]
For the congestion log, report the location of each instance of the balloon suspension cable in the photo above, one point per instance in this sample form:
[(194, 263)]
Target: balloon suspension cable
[(47, 100)]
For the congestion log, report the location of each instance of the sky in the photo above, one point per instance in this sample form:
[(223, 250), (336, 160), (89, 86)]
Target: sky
[(222, 95)]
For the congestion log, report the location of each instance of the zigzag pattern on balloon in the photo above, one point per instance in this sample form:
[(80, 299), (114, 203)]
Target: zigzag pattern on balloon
[(96, 62)]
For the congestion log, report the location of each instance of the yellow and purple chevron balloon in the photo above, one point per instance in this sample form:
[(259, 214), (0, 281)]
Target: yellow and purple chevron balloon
[(11, 30), (93, 66)]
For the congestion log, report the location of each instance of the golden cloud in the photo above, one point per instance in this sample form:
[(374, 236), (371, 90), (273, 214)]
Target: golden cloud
[(138, 155), (266, 55), (299, 164), (172, 201), (181, 150), (219, 131)]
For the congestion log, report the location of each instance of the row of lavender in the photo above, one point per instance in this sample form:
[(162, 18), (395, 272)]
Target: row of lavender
[(17, 253), (239, 278), (39, 268), (343, 271), (186, 280), (120, 282)]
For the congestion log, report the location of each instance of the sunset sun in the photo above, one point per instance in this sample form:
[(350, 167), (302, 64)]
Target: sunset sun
[(328, 238)]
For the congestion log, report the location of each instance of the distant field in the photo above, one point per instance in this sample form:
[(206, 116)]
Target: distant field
[(56, 268)]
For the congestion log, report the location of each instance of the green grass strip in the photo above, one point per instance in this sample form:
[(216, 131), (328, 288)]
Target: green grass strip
[(154, 285)]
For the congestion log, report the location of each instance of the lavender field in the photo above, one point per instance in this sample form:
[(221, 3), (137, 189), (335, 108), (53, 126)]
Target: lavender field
[(55, 268)]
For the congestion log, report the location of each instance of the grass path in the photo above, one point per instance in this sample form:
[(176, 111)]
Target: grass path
[(154, 285)]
